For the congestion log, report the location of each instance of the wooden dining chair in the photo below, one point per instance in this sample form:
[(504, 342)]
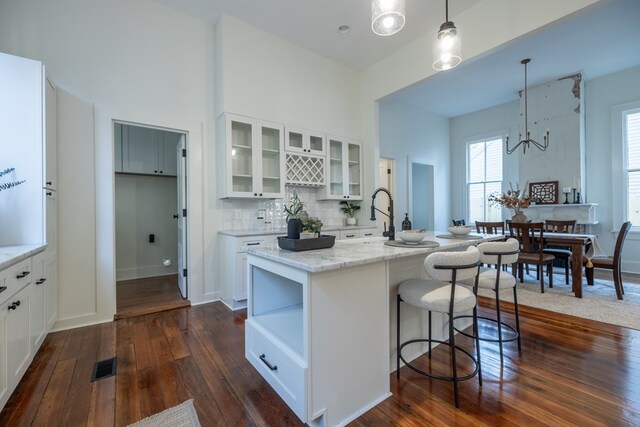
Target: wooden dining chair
[(560, 252), (490, 227), (611, 263), (531, 238), (458, 222)]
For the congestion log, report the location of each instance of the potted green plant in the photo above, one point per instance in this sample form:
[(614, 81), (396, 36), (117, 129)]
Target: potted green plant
[(349, 209), (311, 228), (294, 210)]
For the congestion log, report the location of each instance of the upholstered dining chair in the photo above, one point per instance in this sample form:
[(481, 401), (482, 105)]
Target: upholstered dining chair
[(531, 238), (610, 263), (458, 222), (490, 227), (561, 253)]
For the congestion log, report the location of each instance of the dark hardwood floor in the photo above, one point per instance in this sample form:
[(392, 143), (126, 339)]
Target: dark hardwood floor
[(571, 371), (137, 297)]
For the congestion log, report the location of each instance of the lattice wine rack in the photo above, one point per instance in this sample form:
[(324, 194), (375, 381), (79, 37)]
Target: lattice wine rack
[(305, 170)]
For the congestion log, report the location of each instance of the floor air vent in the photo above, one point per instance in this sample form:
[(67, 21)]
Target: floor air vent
[(104, 369)]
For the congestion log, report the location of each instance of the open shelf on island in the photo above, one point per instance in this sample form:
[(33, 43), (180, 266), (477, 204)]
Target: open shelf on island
[(277, 304), (286, 323)]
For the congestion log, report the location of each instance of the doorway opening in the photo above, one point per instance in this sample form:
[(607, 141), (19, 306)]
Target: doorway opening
[(420, 191), (150, 219)]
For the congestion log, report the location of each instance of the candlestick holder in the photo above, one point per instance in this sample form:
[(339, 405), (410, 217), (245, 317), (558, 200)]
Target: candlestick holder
[(566, 198), (577, 201), (574, 194)]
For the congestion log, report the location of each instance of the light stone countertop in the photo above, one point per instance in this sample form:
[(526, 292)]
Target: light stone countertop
[(10, 255), (349, 253), (283, 230)]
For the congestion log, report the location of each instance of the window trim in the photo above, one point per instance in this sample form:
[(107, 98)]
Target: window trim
[(489, 136), (618, 164)]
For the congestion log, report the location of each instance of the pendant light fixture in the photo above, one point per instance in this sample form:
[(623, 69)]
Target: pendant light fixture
[(387, 16), (446, 47), (527, 141)]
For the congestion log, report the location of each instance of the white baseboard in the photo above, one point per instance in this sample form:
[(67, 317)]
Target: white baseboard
[(79, 322), (631, 267), (142, 272)]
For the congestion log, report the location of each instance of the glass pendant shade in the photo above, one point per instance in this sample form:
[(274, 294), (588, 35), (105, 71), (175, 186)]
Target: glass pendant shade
[(387, 16), (447, 47)]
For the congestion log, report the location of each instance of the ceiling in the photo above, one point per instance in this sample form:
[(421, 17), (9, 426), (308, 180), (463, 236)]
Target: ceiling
[(602, 39), (313, 24)]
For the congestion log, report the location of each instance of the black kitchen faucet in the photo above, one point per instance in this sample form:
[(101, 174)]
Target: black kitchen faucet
[(392, 229)]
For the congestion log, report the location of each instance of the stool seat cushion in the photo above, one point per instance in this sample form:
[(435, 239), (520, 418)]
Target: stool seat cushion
[(433, 295), (487, 279)]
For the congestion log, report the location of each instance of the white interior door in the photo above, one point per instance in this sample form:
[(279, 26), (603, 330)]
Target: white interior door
[(182, 216)]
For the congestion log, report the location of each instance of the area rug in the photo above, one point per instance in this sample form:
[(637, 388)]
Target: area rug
[(598, 302), (182, 415)]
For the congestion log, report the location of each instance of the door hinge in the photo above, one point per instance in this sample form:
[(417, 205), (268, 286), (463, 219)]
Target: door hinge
[(184, 213), (184, 272), (184, 152)]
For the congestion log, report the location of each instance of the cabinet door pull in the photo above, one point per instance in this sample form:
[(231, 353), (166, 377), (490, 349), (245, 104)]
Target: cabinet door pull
[(49, 182), (350, 235), (253, 244), (17, 303), (23, 274), (49, 193), (2, 289), (12, 307), (41, 281), (269, 365)]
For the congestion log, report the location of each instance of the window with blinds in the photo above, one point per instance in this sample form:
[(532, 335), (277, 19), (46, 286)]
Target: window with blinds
[(484, 176), (632, 165)]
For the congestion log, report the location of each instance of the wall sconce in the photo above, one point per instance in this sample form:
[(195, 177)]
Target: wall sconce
[(387, 16)]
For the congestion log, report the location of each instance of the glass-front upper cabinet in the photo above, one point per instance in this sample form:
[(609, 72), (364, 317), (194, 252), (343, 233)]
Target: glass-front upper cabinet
[(344, 160), (253, 158), (305, 141)]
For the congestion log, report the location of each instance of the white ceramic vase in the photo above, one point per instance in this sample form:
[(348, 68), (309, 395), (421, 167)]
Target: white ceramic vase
[(351, 221)]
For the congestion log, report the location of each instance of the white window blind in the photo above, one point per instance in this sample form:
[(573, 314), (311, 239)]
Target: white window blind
[(484, 176), (632, 165)]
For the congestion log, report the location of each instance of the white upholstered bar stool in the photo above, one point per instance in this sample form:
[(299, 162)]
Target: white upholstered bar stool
[(497, 254), (442, 294)]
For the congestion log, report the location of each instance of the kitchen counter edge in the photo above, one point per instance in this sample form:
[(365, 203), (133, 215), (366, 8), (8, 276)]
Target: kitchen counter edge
[(10, 255)]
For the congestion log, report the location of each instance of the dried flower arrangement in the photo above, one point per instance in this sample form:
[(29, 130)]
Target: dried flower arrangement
[(513, 199)]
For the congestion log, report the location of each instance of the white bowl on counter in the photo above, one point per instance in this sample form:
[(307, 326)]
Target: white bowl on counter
[(459, 230), (412, 236)]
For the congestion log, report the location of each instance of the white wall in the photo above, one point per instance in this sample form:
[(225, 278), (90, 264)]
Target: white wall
[(136, 61), (602, 94), (21, 148), (145, 205), (495, 121), (409, 131)]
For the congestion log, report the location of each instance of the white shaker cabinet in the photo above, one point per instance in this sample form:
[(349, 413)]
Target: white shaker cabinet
[(146, 151), (344, 170), (304, 141), (252, 160), (234, 267)]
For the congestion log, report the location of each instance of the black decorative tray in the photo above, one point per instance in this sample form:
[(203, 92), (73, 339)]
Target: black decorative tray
[(297, 245)]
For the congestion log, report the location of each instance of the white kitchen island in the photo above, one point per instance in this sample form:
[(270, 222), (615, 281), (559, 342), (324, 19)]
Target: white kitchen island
[(321, 324)]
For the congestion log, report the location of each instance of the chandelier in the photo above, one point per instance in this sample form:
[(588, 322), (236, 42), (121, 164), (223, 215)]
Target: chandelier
[(528, 141)]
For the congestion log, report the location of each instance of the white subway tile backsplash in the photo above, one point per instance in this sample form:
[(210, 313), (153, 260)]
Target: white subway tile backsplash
[(274, 217)]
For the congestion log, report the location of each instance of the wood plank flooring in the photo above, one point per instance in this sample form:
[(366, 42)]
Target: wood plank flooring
[(148, 295), (571, 372)]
